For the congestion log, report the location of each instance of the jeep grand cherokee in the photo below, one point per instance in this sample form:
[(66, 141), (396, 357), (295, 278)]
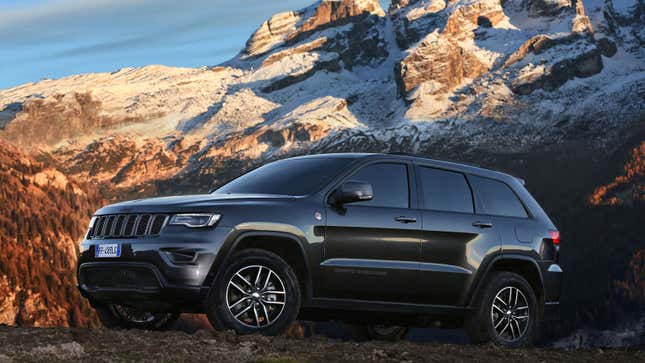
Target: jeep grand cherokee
[(376, 240)]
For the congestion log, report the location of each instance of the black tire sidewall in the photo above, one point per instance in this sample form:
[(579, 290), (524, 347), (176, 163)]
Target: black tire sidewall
[(358, 332), (110, 320), (393, 336), (218, 311), (498, 281)]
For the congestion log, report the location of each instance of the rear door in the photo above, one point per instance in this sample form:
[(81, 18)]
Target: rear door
[(454, 240), (497, 202), (372, 248)]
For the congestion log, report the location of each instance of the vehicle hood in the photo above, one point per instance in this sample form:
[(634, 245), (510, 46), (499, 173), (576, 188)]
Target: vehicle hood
[(192, 203)]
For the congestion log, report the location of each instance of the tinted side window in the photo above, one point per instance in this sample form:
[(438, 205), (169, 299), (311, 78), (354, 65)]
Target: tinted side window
[(389, 184), (497, 198), (445, 191)]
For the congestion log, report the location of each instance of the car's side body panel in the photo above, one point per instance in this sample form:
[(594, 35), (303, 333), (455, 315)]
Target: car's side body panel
[(452, 252), (372, 252)]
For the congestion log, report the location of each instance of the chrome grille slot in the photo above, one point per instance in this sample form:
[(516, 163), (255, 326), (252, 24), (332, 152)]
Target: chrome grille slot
[(107, 230), (98, 231), (91, 231), (157, 224), (118, 226), (142, 226), (127, 226)]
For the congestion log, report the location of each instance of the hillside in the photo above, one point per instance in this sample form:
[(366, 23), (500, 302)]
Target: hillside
[(628, 188), (549, 90), (43, 215)]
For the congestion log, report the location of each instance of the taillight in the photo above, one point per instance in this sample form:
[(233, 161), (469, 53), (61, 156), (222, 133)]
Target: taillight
[(555, 237)]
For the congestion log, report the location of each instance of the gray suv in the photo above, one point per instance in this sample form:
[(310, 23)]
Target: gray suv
[(379, 241)]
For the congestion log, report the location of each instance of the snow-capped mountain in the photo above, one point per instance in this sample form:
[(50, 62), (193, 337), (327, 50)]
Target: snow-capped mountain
[(342, 74)]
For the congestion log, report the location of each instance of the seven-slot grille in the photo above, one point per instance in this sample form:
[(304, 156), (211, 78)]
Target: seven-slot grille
[(127, 225)]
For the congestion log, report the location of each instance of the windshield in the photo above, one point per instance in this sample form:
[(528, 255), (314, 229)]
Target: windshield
[(288, 177)]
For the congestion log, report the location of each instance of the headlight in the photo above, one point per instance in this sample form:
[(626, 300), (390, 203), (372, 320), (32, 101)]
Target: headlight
[(195, 220)]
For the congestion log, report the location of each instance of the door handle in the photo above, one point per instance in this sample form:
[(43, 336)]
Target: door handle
[(482, 224), (404, 219)]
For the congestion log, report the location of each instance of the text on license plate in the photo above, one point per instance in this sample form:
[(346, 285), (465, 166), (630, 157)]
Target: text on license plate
[(111, 250)]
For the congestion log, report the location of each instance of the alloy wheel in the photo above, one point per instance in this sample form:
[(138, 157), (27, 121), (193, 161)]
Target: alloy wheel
[(510, 314), (255, 296)]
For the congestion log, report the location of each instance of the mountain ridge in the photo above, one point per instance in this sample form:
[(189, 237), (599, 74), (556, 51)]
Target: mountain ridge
[(476, 70)]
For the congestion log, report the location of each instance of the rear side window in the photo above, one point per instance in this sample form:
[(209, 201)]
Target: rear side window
[(389, 184), (445, 191), (497, 198)]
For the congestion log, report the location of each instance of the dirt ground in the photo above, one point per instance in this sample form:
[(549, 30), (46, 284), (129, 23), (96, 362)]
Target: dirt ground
[(101, 345)]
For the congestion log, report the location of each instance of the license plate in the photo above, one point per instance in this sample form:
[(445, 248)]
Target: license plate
[(111, 250)]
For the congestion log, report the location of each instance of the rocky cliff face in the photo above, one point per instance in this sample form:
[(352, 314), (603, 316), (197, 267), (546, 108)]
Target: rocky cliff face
[(517, 74), (485, 74), (347, 67)]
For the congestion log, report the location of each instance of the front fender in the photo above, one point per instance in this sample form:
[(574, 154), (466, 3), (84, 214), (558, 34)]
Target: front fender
[(261, 229)]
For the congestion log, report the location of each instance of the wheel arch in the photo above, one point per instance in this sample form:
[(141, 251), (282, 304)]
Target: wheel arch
[(522, 265), (286, 245)]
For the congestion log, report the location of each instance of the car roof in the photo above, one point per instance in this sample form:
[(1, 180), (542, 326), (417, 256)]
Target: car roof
[(445, 164)]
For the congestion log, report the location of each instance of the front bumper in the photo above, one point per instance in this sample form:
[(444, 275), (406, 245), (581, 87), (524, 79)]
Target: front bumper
[(157, 273), (136, 283)]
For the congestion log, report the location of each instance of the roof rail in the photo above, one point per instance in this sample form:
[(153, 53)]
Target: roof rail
[(403, 153), (429, 158)]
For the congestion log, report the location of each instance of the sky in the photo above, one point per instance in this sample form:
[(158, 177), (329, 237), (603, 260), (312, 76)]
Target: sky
[(50, 39)]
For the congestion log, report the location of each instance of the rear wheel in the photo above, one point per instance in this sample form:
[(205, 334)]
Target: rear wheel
[(258, 292), (506, 314), (128, 317)]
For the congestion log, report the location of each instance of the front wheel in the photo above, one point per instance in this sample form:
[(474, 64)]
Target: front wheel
[(127, 317), (391, 333), (258, 292), (506, 314)]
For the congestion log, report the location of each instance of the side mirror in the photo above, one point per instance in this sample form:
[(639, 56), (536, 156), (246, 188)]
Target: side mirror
[(355, 191)]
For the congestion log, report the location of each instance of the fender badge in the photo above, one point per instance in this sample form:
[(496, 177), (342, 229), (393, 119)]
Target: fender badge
[(318, 216)]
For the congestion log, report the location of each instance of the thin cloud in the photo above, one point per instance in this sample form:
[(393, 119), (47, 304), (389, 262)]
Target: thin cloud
[(104, 47), (11, 16), (161, 36)]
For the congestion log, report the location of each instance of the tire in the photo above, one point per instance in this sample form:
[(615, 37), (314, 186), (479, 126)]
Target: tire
[(357, 332), (246, 298), (123, 317), (495, 319), (390, 333)]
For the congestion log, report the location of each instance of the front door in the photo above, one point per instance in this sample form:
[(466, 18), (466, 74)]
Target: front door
[(372, 248)]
